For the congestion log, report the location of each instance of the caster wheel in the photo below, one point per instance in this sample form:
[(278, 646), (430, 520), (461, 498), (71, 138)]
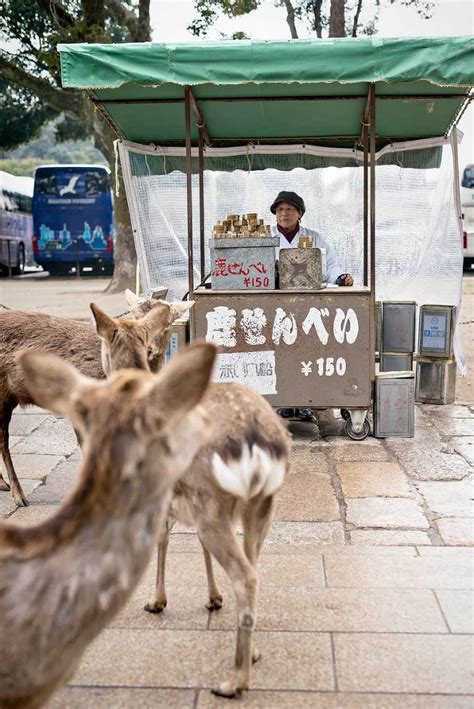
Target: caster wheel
[(357, 436), (345, 414)]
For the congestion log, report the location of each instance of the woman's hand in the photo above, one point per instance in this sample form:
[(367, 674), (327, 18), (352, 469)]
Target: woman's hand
[(345, 279)]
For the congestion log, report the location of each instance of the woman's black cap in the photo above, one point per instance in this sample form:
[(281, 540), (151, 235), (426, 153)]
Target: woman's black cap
[(291, 198)]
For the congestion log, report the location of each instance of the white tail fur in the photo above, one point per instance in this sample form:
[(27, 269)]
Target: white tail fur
[(254, 473)]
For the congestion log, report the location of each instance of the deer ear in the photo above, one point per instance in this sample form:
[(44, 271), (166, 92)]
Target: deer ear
[(179, 308), (104, 324), (50, 380), (157, 321), (131, 298), (182, 383)]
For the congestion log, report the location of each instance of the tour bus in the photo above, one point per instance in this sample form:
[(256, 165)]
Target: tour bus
[(73, 224), (16, 223)]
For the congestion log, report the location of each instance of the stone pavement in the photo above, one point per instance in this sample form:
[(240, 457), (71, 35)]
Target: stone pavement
[(366, 578)]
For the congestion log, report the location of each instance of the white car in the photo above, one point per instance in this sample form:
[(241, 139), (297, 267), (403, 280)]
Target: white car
[(467, 207)]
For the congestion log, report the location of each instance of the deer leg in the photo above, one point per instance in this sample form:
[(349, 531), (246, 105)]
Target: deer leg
[(221, 542), (215, 596), (256, 519), (14, 484), (158, 604)]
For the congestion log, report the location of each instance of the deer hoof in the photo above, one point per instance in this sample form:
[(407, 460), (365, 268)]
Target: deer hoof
[(4, 486), (214, 604), (21, 501), (155, 607), (256, 655), (228, 690)]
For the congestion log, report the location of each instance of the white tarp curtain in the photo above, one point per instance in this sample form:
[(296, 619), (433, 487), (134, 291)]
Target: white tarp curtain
[(418, 232)]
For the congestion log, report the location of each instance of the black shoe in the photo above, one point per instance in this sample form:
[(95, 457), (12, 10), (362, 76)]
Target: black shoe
[(286, 413), (305, 414)]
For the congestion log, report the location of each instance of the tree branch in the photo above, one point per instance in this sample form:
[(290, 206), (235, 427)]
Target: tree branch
[(144, 28), (290, 18), (124, 16), (53, 97), (56, 12), (356, 18), (318, 25)]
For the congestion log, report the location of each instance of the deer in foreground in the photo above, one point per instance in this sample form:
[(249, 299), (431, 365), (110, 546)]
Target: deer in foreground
[(78, 343), (234, 476), (63, 580)]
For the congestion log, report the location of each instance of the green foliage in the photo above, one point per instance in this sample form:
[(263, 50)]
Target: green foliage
[(21, 115), (209, 10)]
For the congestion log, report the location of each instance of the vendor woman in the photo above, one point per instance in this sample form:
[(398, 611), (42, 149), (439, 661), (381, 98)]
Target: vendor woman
[(289, 208)]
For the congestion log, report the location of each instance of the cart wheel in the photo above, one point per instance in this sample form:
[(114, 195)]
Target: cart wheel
[(345, 414), (357, 436)]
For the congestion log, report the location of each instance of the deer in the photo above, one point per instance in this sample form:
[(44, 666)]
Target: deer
[(234, 476), (62, 581), (83, 345)]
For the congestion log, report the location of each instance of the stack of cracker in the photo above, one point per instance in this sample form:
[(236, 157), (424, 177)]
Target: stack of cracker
[(235, 226)]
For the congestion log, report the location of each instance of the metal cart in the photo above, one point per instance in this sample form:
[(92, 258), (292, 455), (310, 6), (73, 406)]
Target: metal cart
[(305, 348)]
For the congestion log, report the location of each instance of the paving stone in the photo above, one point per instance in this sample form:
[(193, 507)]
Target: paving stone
[(424, 463), (464, 445), (388, 536), (76, 454), (448, 411), (346, 610), (455, 426), (33, 514), (32, 409), (186, 609), (339, 551), (122, 698), (8, 504), (296, 533), (13, 440), (307, 459), (58, 484), (380, 512), (458, 609), (33, 466), (23, 424), (456, 530), (182, 658), (373, 479), (345, 450), (186, 543), (450, 499), (372, 571), (257, 699), (307, 497), (446, 551), (404, 663), (56, 437)]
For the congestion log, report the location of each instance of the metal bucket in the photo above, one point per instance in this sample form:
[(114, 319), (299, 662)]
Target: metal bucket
[(394, 405)]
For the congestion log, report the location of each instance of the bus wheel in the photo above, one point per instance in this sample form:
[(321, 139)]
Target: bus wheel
[(57, 269), (19, 269)]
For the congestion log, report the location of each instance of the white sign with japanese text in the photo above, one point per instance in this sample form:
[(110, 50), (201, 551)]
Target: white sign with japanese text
[(254, 369)]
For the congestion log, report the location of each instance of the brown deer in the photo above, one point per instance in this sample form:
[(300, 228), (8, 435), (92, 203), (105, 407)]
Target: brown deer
[(78, 343), (234, 476), (63, 580)]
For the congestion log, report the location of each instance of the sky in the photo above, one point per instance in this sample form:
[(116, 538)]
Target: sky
[(170, 18)]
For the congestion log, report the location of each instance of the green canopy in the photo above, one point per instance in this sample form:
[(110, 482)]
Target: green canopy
[(276, 91)]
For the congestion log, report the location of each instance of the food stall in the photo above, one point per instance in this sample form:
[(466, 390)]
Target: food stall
[(188, 107)]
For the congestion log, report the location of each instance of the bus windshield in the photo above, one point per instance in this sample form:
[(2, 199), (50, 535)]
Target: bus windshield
[(16, 224), (73, 216)]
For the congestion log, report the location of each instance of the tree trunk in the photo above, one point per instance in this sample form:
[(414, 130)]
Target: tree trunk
[(290, 18), (356, 18), (125, 258), (337, 25), (317, 22)]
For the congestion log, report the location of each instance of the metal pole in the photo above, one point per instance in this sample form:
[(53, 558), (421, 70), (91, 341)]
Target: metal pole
[(366, 204), (372, 189), (372, 225), (202, 245), (187, 116)]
